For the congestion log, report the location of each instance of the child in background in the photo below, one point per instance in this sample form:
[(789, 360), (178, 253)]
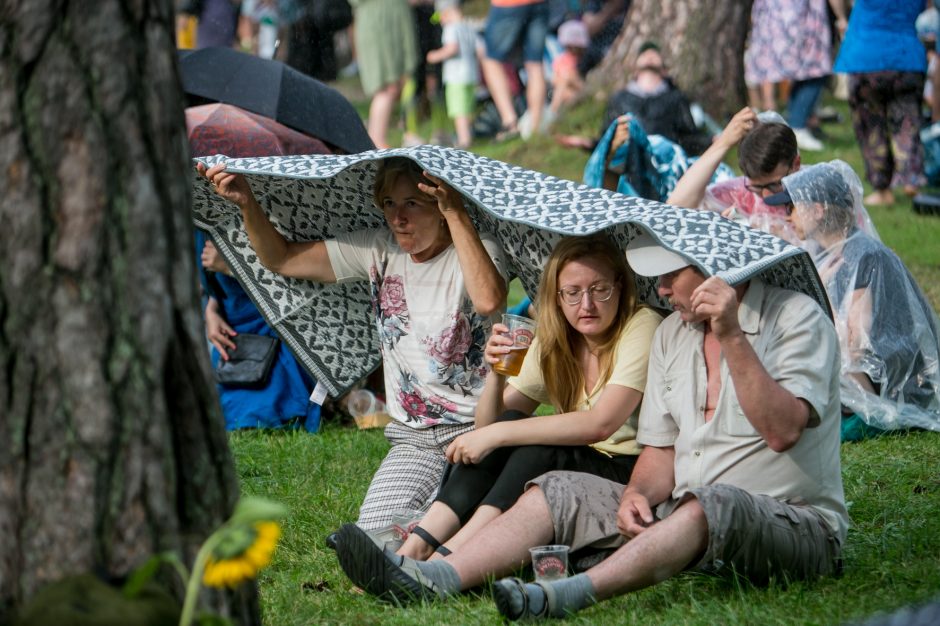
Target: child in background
[(566, 80), (460, 71)]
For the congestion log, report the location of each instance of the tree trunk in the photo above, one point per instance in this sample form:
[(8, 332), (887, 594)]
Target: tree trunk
[(702, 42), (111, 443)]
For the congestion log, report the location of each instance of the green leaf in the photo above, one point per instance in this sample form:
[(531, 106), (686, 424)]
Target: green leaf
[(252, 509)]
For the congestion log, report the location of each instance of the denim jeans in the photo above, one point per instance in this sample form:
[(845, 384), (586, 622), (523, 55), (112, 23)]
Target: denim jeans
[(803, 98)]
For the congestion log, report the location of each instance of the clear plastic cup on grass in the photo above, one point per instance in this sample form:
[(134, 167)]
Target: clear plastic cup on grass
[(549, 562)]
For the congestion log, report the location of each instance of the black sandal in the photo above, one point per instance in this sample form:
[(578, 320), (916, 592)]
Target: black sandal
[(505, 596), (427, 537)]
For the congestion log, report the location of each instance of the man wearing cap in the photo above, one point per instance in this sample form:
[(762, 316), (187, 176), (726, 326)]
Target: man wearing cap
[(740, 470)]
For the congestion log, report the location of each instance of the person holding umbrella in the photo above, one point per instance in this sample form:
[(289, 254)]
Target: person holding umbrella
[(435, 284)]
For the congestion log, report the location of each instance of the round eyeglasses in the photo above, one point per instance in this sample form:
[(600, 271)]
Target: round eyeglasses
[(601, 292)]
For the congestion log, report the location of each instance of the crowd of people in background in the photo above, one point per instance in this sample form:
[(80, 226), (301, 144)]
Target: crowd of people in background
[(522, 65), (651, 142), (672, 439)]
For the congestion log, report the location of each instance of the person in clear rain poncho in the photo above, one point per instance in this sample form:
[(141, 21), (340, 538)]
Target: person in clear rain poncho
[(887, 329)]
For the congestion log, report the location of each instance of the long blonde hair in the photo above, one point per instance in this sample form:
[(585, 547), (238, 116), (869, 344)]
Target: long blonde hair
[(564, 379)]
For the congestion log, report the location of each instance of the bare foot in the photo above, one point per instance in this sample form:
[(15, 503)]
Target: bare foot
[(883, 197), (910, 190)]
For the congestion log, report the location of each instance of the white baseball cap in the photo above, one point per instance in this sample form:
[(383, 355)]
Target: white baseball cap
[(647, 257)]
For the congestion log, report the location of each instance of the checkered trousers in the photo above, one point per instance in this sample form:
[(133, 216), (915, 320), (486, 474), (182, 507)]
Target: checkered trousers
[(411, 472)]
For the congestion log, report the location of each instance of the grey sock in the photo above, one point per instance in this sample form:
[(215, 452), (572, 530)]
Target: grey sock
[(441, 572), (571, 595)]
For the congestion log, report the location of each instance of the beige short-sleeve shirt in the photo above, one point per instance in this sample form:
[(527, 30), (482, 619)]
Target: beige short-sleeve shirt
[(628, 370), (798, 346)]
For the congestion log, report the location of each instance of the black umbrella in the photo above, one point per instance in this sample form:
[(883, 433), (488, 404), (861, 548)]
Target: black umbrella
[(274, 90)]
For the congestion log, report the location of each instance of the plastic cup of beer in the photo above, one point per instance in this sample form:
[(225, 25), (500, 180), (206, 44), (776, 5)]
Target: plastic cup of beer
[(549, 562), (522, 332)]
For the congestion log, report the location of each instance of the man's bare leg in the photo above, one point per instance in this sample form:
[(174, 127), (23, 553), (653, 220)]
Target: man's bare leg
[(658, 553), (503, 545)]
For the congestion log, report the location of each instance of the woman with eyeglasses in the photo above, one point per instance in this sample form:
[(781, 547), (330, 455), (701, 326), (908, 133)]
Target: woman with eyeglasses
[(588, 360)]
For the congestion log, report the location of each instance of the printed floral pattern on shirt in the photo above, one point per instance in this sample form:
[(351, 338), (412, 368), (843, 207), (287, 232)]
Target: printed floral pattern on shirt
[(430, 409), (390, 307), (456, 354)]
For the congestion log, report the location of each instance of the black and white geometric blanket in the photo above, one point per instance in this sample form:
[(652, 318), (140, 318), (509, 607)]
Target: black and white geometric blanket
[(329, 327)]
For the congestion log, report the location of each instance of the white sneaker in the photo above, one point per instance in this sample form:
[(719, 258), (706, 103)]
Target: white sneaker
[(548, 118), (525, 125), (806, 141)]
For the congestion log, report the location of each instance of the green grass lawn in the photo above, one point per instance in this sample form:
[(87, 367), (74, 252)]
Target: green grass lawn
[(892, 484), (891, 558)]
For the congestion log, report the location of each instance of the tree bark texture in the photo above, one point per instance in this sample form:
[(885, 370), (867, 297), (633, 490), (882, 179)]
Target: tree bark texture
[(111, 443), (702, 43)]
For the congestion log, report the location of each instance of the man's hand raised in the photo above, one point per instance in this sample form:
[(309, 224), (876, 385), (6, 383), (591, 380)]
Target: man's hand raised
[(718, 301)]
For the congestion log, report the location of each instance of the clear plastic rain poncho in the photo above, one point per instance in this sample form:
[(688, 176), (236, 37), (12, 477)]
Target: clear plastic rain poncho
[(887, 329)]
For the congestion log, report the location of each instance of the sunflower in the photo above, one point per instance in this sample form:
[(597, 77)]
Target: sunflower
[(241, 552)]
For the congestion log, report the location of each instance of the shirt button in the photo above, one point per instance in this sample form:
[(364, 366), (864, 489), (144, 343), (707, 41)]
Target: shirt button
[(698, 453), (668, 388)]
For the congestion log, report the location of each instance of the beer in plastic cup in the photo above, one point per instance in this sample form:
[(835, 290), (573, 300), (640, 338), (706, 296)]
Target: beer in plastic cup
[(549, 562), (522, 332)]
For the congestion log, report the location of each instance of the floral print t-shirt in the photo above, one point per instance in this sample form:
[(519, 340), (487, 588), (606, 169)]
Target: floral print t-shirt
[(431, 338)]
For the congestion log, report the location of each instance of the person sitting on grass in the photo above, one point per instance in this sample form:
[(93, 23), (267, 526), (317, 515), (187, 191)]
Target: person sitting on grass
[(887, 329), (654, 102), (588, 360), (767, 152), (436, 284), (739, 472), (659, 106)]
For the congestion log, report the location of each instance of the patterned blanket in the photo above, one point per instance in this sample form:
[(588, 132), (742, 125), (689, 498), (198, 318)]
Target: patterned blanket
[(329, 327)]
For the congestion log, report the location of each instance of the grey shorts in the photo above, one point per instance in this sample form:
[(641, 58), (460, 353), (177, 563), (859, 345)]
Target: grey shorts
[(752, 535)]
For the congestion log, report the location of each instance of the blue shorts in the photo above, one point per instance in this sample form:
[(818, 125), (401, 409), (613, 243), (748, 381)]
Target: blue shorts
[(508, 27)]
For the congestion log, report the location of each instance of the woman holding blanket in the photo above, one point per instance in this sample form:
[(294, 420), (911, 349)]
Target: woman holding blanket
[(435, 285), (588, 360)]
